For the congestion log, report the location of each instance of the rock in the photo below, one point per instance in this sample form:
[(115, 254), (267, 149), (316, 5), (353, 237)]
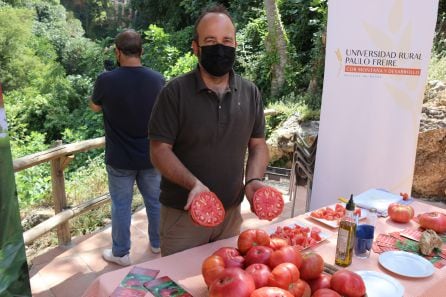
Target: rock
[(430, 164), (429, 241), (35, 218), (281, 141)]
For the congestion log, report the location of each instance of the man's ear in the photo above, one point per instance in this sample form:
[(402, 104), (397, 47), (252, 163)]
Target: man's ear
[(195, 47)]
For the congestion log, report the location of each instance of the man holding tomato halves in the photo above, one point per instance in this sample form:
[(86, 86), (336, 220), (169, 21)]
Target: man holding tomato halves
[(201, 127)]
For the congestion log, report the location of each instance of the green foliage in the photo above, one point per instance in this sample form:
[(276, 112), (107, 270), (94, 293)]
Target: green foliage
[(100, 18), (15, 33), (82, 56), (183, 65), (302, 20), (165, 13), (285, 107), (437, 67), (243, 11), (158, 54), (439, 46), (252, 60), (33, 184), (182, 39)]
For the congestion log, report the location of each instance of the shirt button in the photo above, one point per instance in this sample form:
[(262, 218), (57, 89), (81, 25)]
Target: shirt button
[(219, 106)]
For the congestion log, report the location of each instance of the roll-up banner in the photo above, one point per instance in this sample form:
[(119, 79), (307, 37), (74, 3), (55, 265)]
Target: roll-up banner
[(14, 276), (376, 64)]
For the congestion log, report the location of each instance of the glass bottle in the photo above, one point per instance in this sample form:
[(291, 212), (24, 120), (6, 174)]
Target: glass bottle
[(346, 236)]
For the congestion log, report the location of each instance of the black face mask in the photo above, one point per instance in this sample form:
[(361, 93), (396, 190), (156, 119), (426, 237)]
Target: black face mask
[(217, 59)]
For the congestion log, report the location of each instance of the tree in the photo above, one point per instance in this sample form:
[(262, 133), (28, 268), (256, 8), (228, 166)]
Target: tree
[(15, 34), (276, 45)]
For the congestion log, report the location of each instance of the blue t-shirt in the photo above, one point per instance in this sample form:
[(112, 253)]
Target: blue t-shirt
[(127, 95)]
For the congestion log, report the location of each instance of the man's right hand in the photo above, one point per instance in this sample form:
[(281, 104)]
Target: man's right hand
[(197, 189)]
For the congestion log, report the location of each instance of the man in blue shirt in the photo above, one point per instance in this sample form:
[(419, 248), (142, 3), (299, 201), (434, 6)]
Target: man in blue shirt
[(126, 96)]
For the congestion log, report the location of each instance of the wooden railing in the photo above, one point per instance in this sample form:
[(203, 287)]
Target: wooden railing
[(59, 157)]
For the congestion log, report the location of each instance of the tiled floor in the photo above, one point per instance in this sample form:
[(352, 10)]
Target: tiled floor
[(67, 272)]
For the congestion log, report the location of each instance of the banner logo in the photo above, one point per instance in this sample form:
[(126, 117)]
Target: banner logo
[(378, 61)]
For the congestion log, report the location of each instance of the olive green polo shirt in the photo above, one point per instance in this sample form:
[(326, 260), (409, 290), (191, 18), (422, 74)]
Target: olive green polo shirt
[(208, 134)]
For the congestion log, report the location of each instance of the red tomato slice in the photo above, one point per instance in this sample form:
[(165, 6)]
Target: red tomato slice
[(315, 234), (207, 210), (339, 208), (267, 203), (317, 214)]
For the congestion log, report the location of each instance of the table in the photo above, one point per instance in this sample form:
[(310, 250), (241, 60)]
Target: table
[(185, 267)]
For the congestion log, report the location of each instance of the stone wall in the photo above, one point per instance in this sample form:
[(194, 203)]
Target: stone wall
[(430, 165)]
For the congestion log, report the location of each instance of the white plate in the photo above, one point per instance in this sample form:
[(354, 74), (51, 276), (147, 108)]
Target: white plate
[(323, 234), (378, 284), (406, 264), (375, 198), (335, 223)]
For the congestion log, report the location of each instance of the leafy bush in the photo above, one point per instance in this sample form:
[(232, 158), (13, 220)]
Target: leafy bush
[(183, 65), (82, 56), (252, 61), (437, 67), (158, 54), (182, 39), (33, 184), (285, 107)]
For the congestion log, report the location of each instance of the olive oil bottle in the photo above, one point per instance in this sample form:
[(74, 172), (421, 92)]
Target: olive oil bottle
[(346, 236)]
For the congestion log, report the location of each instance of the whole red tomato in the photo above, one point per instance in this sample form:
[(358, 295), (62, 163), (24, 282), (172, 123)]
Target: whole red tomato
[(283, 275), (252, 237), (323, 281), (231, 256), (325, 293), (347, 283), (260, 273), (300, 288), (433, 220), (285, 254), (258, 254), (400, 213), (271, 292), (211, 267), (312, 266), (277, 243), (232, 282)]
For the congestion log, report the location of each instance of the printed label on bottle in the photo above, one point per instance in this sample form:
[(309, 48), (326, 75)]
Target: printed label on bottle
[(342, 244)]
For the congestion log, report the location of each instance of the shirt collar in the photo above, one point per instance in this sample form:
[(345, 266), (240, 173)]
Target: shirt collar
[(201, 86)]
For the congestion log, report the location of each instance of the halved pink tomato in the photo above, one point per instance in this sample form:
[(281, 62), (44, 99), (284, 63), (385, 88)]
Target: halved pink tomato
[(267, 203), (207, 210)]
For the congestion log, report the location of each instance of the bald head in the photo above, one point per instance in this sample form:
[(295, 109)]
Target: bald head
[(217, 10), (129, 42)]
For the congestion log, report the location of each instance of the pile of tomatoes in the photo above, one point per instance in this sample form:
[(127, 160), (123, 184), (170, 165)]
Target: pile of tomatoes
[(264, 266), (330, 214), (298, 236)]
